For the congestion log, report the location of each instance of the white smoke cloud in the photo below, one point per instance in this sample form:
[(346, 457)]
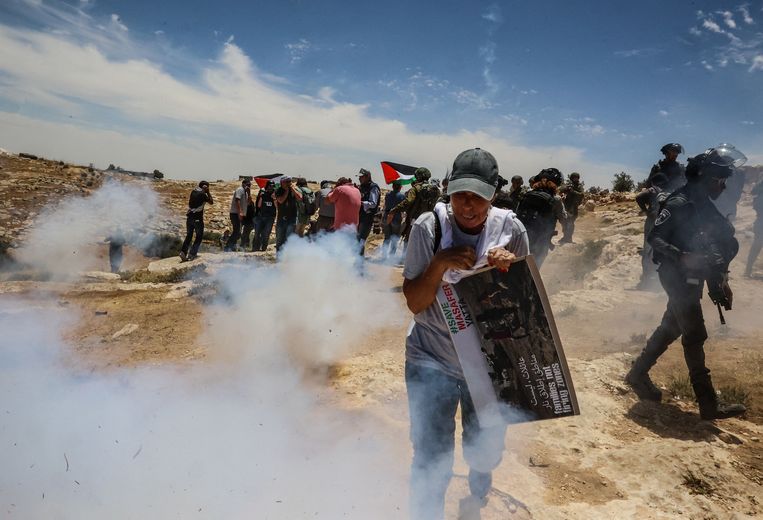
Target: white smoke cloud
[(60, 236), (239, 434)]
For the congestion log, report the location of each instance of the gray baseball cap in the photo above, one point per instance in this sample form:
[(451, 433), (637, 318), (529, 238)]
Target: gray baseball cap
[(475, 171)]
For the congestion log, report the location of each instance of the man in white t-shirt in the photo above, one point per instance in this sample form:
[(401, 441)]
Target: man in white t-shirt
[(238, 206), (434, 380)]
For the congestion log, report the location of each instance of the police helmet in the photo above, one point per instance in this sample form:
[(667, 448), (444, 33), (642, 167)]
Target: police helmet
[(715, 162), (551, 174), (422, 174), (672, 147), (574, 175)]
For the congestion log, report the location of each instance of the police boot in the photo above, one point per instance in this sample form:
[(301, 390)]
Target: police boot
[(709, 407), (638, 379)]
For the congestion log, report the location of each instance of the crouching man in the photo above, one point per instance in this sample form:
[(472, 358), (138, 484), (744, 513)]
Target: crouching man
[(467, 233)]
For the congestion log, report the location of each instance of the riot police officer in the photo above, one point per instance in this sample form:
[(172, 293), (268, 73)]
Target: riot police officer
[(670, 167), (540, 209), (694, 245)]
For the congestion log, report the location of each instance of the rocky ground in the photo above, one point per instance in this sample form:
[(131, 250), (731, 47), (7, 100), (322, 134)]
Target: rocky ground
[(620, 458)]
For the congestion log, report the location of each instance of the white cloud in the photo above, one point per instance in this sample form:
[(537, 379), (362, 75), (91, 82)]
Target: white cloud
[(712, 26), (515, 119), (298, 49), (664, 113), (493, 14), (743, 43), (467, 97), (746, 15), (728, 19), (589, 129), (749, 123), (630, 53), (231, 96), (116, 22), (757, 63)]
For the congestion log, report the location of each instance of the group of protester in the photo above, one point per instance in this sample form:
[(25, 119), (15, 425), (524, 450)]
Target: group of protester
[(343, 204)]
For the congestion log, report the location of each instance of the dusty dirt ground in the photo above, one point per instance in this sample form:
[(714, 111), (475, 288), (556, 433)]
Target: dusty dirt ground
[(619, 459)]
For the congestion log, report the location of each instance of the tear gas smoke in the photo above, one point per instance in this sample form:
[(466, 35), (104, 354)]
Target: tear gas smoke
[(58, 240), (237, 435)]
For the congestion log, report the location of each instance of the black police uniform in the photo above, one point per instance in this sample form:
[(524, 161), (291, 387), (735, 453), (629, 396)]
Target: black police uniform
[(673, 170), (688, 223)]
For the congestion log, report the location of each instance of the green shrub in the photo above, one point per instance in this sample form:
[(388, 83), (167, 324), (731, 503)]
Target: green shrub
[(734, 394), (623, 182), (679, 386)]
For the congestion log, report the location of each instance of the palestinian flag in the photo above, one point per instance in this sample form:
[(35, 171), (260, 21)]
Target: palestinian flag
[(261, 180), (398, 172)]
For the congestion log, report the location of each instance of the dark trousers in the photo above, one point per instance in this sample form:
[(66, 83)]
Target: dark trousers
[(433, 398), (284, 228), (365, 225), (193, 225), (568, 226), (115, 256), (263, 226), (392, 233), (682, 318), (246, 230), (235, 235)]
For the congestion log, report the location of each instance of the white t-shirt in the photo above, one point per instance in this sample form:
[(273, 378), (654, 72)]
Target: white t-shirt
[(240, 194), (429, 342)]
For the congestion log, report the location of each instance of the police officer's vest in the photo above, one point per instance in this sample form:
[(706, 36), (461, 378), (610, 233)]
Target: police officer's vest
[(365, 196)]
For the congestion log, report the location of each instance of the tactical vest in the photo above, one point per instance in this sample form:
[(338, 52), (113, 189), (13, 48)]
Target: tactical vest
[(536, 212)]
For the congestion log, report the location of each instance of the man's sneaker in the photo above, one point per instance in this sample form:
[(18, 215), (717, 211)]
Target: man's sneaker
[(469, 507), (720, 411), (642, 385), (183, 258), (192, 258)]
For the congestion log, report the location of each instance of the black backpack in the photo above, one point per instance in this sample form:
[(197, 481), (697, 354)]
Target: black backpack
[(536, 212), (308, 199)]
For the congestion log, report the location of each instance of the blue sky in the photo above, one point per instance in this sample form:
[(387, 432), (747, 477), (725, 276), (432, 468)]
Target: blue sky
[(215, 89)]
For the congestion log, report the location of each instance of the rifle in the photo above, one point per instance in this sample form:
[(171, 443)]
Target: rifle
[(715, 274)]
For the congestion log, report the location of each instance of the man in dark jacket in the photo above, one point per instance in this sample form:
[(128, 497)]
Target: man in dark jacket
[(194, 220), (264, 216), (287, 196), (370, 196), (694, 245)]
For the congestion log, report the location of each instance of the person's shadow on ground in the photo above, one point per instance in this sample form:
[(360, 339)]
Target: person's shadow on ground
[(669, 421)]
